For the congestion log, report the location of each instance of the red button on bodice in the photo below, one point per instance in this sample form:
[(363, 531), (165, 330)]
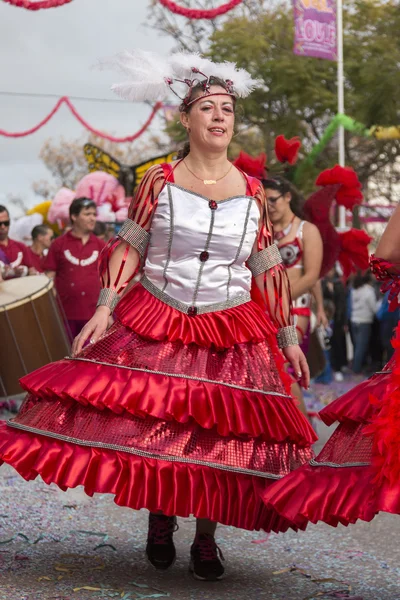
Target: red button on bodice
[(213, 205), (192, 311), (204, 256)]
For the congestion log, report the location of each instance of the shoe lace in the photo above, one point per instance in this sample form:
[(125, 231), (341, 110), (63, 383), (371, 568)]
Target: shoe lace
[(160, 530), (208, 548)]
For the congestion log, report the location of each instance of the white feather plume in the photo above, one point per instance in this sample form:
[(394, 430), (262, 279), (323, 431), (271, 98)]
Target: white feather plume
[(146, 73), (182, 64), (243, 83)]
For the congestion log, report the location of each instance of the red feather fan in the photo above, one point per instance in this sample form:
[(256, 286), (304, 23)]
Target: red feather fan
[(317, 210), (349, 194), (354, 251), (255, 166), (287, 150)]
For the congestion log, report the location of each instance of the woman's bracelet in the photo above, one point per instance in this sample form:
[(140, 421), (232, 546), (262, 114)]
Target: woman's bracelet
[(287, 336), (108, 297)]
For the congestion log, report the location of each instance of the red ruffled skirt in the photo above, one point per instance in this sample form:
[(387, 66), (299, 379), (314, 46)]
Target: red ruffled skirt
[(357, 473), (179, 414)]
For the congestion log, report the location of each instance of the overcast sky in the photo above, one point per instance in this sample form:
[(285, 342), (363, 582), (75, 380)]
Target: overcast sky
[(51, 51)]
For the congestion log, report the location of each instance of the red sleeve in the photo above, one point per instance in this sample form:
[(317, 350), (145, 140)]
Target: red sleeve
[(120, 260), (273, 283)]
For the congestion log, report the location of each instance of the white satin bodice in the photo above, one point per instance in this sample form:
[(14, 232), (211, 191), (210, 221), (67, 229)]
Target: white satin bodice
[(197, 255)]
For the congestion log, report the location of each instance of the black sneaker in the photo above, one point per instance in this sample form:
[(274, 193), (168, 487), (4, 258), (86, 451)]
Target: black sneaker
[(160, 547), (205, 555)]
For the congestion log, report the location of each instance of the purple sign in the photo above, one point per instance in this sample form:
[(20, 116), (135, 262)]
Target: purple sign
[(315, 28)]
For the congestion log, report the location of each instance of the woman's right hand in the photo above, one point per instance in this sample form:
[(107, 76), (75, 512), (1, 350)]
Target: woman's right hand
[(93, 329)]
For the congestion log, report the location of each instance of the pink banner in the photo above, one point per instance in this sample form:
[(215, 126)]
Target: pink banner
[(315, 28), (372, 213), (376, 213)]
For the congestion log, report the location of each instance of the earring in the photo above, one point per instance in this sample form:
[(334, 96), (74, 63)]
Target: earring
[(188, 130)]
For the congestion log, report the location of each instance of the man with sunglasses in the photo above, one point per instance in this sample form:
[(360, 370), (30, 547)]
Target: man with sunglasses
[(14, 256), (73, 263)]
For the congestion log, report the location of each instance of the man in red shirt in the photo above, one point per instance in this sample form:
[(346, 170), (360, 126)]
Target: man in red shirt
[(73, 262), (17, 261), (42, 237)]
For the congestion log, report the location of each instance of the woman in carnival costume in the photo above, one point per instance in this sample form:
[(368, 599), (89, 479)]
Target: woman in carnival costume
[(299, 241), (300, 245), (356, 474), (182, 406)]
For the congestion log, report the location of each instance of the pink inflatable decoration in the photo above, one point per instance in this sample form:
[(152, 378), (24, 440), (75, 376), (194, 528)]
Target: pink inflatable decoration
[(107, 193), (59, 209)]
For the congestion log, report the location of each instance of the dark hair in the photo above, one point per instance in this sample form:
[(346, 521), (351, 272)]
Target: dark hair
[(4, 209), (361, 279), (79, 204), (283, 186), (193, 93), (100, 228), (39, 230)]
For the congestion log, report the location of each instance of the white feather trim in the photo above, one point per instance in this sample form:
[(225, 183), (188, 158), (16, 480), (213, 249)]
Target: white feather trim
[(243, 84), (146, 72), (182, 64)]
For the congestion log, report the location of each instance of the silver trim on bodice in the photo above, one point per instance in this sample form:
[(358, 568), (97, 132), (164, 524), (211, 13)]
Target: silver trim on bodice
[(198, 249)]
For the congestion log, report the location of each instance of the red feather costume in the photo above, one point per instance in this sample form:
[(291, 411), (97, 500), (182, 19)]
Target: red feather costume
[(356, 474)]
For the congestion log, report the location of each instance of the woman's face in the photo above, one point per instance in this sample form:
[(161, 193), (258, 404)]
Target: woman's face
[(211, 120), (278, 205)]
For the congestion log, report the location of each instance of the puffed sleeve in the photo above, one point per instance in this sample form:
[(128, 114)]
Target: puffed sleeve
[(122, 257), (271, 277)]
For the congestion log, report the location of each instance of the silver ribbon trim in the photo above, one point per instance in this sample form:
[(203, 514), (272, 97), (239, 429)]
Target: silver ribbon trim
[(143, 453), (180, 376), (287, 336), (314, 463), (186, 308), (264, 260), (135, 235), (108, 297)]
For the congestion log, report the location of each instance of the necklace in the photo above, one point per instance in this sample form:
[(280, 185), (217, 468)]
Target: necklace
[(279, 235), (208, 181)]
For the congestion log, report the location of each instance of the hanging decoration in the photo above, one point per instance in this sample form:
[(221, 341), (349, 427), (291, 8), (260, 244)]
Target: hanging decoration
[(287, 151), (37, 5), (129, 176), (377, 131), (67, 101), (349, 193), (255, 166), (385, 133), (354, 251), (317, 209), (198, 13)]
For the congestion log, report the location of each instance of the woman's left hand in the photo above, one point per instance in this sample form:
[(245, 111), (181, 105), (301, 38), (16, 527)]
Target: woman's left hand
[(295, 356), (322, 319)]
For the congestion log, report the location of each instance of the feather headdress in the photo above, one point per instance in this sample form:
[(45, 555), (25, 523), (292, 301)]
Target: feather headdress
[(151, 76), (146, 75)]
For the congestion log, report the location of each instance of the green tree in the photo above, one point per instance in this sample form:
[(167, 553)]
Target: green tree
[(300, 94)]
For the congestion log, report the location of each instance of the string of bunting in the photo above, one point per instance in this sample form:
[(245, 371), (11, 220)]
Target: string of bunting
[(37, 5), (198, 13), (377, 131), (67, 101)]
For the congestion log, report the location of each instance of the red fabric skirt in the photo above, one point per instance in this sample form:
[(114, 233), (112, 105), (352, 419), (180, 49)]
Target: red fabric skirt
[(187, 415), (357, 473)]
